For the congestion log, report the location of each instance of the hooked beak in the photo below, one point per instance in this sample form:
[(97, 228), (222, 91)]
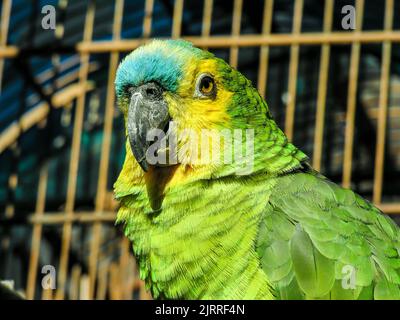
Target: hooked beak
[(147, 111)]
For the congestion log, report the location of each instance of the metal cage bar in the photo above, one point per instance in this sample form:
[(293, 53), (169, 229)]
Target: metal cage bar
[(293, 70), (322, 87), (352, 98), (207, 18), (236, 22), (264, 51), (177, 19), (75, 151), (383, 105), (245, 40), (37, 232), (5, 19), (105, 148)]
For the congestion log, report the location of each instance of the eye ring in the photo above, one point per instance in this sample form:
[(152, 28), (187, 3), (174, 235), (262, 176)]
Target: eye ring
[(205, 86)]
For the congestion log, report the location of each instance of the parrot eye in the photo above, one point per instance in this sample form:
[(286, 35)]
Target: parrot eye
[(205, 86)]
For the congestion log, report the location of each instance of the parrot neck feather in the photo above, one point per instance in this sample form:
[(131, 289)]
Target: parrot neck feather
[(205, 230)]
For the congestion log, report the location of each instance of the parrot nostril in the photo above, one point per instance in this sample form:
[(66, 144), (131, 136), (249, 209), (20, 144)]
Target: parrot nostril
[(150, 92)]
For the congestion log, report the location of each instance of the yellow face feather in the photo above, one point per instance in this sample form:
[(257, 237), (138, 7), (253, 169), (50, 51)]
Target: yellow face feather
[(192, 105), (194, 112), (188, 112), (200, 93)]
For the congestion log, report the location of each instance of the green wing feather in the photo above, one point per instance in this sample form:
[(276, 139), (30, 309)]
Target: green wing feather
[(320, 241)]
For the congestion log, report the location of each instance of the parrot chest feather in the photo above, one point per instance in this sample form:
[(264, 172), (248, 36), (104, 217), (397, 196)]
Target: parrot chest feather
[(201, 245)]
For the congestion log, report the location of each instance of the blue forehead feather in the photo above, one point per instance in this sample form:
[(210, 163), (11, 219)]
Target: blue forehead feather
[(159, 61)]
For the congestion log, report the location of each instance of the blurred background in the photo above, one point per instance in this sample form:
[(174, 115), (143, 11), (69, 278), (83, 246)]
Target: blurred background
[(335, 92)]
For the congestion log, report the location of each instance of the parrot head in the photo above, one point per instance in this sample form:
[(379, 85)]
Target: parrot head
[(173, 82)]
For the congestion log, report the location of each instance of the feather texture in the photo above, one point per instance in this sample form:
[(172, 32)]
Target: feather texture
[(339, 238), (283, 231)]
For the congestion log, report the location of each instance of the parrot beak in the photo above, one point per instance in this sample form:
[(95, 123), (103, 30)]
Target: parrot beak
[(147, 111)]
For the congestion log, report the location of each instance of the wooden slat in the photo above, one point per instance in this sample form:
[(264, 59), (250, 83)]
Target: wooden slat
[(144, 294), (114, 282), (293, 68), (37, 233), (390, 208), (207, 15), (4, 24), (11, 134), (383, 106), (322, 88), (351, 99), (74, 160), (248, 40), (177, 19), (78, 217), (34, 116), (84, 287), (105, 148), (8, 51), (75, 282), (47, 294), (148, 16), (48, 74), (12, 182), (82, 217), (132, 275), (264, 51), (236, 22), (102, 283), (123, 266), (394, 112), (252, 40)]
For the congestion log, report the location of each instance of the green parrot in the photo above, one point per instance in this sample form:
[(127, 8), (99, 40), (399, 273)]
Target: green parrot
[(212, 230)]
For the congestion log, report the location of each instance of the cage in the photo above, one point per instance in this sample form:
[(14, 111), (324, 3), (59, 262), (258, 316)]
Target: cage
[(333, 87)]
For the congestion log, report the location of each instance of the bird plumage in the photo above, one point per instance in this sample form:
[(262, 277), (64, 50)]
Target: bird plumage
[(281, 231)]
